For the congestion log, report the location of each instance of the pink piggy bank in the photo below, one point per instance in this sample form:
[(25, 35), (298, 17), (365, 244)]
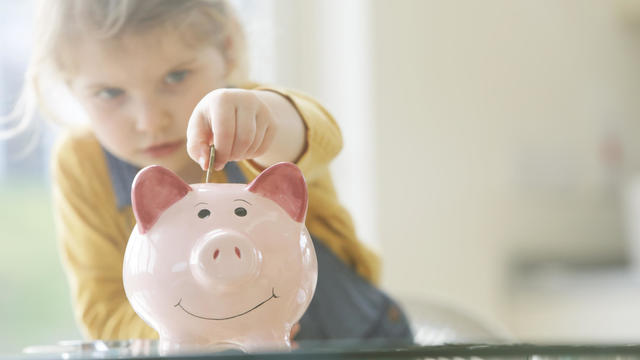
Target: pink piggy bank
[(220, 265)]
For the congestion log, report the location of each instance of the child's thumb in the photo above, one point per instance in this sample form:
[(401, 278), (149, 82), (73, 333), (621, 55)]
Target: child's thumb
[(199, 136)]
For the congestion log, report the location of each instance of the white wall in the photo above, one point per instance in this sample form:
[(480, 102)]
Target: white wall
[(501, 109)]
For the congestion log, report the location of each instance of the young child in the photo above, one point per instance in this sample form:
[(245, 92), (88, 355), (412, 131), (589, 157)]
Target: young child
[(159, 81)]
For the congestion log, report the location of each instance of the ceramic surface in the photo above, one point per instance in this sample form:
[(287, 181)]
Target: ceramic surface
[(220, 265)]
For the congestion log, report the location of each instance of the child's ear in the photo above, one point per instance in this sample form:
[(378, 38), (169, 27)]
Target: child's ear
[(154, 190), (284, 184)]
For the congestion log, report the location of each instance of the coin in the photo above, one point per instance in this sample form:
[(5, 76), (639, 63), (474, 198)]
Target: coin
[(212, 158)]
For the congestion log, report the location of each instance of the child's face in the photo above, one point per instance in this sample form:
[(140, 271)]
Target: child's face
[(140, 90)]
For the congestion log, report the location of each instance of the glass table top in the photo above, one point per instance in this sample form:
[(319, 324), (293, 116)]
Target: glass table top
[(147, 349)]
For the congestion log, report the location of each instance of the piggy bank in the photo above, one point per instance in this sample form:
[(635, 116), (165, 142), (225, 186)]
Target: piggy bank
[(220, 265)]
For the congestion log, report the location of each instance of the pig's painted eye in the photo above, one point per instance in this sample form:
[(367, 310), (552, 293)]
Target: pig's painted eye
[(240, 211), (204, 213)]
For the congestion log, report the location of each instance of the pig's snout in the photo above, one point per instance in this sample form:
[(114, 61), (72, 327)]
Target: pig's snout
[(224, 259)]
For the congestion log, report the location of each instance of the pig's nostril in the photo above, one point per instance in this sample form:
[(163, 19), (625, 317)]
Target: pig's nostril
[(238, 252), (215, 254)]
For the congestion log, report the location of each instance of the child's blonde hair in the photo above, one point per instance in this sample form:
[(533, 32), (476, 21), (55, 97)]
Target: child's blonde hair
[(58, 22)]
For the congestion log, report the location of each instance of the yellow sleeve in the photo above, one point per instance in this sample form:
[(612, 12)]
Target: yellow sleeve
[(92, 236)]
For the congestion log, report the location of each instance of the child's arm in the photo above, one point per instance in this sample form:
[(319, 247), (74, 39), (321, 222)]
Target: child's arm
[(298, 129), (245, 124), (92, 237)]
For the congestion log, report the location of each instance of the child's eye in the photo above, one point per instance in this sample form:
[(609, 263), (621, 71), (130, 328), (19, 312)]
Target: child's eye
[(175, 77), (109, 93)]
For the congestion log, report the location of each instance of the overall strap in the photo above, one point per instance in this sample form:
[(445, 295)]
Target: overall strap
[(234, 173), (122, 174)]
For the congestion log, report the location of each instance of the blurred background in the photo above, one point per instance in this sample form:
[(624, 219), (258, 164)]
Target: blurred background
[(490, 157)]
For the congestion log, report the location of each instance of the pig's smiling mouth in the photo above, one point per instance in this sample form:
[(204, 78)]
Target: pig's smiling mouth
[(273, 296)]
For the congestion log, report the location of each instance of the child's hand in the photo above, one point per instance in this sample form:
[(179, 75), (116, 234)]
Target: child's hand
[(244, 124), (295, 329)]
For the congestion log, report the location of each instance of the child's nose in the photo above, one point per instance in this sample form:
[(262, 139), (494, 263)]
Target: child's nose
[(152, 116)]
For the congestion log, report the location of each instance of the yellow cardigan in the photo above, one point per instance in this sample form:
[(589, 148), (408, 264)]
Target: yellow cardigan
[(93, 232)]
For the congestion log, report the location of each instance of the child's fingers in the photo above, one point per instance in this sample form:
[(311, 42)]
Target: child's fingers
[(295, 329), (223, 123), (265, 118), (261, 129), (199, 137), (245, 133), (269, 135)]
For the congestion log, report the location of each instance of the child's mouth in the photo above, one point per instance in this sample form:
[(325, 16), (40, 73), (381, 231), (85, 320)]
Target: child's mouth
[(164, 149)]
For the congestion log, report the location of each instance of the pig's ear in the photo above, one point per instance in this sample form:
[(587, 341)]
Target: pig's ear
[(284, 184), (154, 190)]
